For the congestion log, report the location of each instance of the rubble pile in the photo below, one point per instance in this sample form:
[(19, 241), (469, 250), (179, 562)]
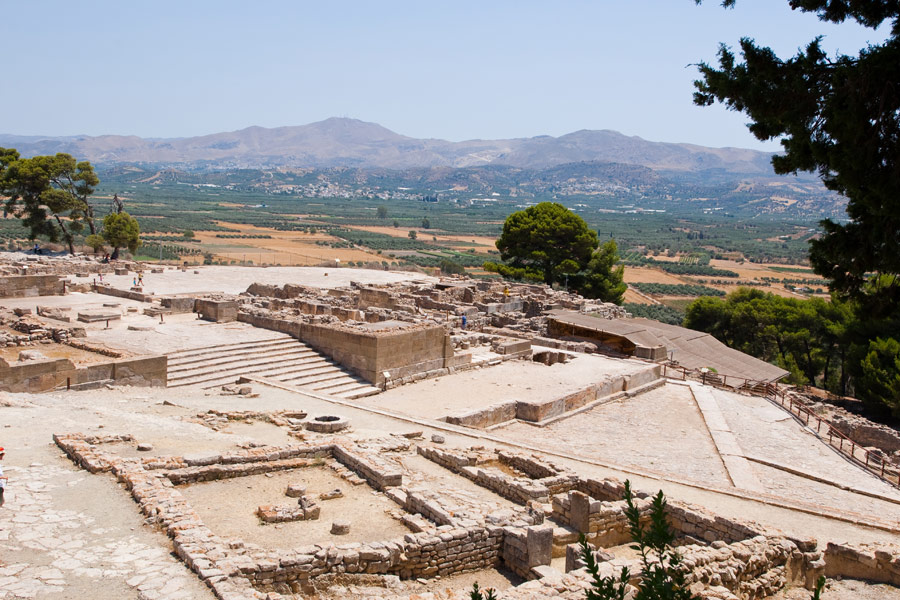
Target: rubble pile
[(22, 263), (24, 330)]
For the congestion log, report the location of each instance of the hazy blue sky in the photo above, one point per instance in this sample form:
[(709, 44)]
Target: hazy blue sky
[(444, 69)]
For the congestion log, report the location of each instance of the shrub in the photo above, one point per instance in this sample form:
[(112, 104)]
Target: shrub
[(661, 575)]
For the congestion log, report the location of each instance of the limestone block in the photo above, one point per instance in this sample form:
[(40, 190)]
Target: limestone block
[(295, 490), (580, 511), (331, 495), (539, 542)]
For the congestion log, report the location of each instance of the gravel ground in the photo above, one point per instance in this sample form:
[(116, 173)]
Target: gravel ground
[(228, 507)]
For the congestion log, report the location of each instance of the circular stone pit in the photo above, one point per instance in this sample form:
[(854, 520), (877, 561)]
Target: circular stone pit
[(327, 424)]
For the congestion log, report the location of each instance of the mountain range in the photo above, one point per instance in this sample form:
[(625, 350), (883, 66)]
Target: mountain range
[(342, 142)]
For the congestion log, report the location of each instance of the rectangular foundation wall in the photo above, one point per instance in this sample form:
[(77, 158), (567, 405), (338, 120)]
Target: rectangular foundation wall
[(30, 286)]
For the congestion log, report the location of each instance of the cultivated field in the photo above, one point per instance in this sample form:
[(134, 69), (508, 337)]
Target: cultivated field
[(288, 248)]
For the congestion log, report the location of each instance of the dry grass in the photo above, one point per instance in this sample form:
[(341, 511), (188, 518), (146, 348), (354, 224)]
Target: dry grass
[(635, 297), (292, 248), (648, 275), (472, 241)]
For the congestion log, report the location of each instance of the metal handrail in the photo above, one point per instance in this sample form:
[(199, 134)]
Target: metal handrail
[(779, 396)]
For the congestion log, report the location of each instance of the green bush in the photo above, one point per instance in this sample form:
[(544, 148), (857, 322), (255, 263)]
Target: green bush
[(513, 273), (451, 268), (661, 575), (677, 289), (657, 312)]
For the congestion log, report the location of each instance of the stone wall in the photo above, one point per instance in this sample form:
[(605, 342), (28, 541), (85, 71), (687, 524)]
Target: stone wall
[(861, 562), (220, 311), (45, 375), (353, 349), (178, 304), (604, 522), (751, 569), (27, 286), (485, 417), (738, 557), (228, 471), (383, 357), (372, 468), (291, 328), (34, 376), (445, 552), (526, 548), (108, 290), (474, 465), (539, 411), (518, 489)]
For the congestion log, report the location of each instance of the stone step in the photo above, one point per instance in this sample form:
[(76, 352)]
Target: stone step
[(229, 347), (284, 359), (212, 383), (260, 369), (325, 385), (348, 386), (213, 355), (293, 358), (254, 358), (276, 337), (361, 392), (311, 379)]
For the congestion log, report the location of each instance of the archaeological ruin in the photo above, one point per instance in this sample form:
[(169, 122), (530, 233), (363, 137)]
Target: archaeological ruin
[(285, 432)]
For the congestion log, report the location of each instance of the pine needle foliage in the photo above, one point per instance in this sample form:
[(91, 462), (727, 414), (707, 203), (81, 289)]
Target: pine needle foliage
[(661, 577), (476, 594)]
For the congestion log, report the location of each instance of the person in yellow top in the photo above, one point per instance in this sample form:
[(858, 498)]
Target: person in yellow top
[(506, 291)]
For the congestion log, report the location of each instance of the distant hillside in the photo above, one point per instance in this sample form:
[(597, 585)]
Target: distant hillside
[(601, 185), (338, 142)]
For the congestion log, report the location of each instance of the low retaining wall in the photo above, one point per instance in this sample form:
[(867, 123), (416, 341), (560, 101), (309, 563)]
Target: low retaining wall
[(108, 290), (874, 564), (291, 328), (538, 411), (377, 472), (485, 417), (604, 522), (29, 286), (45, 375), (543, 479)]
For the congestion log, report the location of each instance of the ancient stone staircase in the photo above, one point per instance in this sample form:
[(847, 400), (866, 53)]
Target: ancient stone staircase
[(280, 358)]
